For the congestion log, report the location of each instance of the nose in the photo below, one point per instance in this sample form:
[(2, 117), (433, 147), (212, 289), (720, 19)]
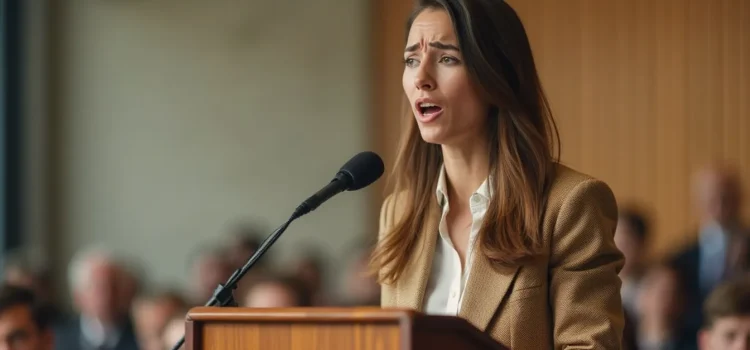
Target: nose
[(423, 79)]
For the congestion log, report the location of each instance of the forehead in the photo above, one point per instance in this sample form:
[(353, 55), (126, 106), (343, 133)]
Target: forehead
[(18, 316), (432, 25), (732, 323)]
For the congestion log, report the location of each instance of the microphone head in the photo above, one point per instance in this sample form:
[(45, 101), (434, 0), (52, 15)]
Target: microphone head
[(362, 170)]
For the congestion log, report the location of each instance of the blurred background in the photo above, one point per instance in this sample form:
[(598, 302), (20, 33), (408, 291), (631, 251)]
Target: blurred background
[(148, 146)]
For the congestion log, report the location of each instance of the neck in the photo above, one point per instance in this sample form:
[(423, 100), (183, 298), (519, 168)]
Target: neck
[(466, 168)]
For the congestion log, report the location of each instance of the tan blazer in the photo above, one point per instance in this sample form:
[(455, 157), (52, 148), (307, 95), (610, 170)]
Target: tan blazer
[(569, 298)]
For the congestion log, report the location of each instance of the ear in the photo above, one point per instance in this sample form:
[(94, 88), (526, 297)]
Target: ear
[(704, 336)]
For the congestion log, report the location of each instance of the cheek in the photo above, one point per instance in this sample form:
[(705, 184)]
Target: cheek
[(407, 82), (464, 96)]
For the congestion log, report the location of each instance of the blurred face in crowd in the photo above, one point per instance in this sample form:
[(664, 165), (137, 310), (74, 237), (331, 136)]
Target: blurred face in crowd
[(361, 286), (174, 330), (240, 250), (270, 294), (209, 271), (308, 270), (151, 316), (718, 195), (727, 333), (21, 277), (661, 298), (100, 296), (128, 289), (18, 331), (446, 104), (18, 277), (630, 246)]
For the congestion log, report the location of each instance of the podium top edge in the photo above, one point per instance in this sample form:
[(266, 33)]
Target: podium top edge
[(301, 313)]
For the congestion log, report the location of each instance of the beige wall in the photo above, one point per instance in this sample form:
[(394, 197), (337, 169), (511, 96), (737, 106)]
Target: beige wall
[(176, 119), (644, 92)]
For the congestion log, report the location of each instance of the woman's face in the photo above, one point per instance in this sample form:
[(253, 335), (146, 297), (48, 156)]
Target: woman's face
[(445, 102)]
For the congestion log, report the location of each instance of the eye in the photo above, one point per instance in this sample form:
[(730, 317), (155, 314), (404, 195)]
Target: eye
[(449, 60), (411, 62), (729, 336)]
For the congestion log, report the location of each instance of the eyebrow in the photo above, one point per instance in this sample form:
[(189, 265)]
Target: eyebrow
[(435, 44)]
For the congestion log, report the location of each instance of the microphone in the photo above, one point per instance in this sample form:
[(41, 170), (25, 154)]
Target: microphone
[(359, 172)]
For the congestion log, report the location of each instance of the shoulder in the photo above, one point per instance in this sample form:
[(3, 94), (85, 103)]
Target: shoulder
[(573, 192), (67, 333)]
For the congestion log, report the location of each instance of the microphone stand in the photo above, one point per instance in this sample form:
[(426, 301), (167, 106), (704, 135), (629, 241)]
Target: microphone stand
[(222, 296)]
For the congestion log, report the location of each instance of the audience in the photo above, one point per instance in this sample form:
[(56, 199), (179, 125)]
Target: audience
[(699, 298), (23, 323), (309, 269), (242, 244), (278, 292), (174, 331), (727, 317), (96, 280), (631, 238), (722, 247), (209, 268), (360, 287), (152, 313), (19, 271), (660, 305)]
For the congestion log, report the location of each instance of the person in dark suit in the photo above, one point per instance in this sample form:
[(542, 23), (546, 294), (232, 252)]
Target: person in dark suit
[(96, 280), (721, 250)]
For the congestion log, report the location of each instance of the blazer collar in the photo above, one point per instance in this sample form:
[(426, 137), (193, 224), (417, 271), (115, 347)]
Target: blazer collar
[(485, 290), (486, 287)]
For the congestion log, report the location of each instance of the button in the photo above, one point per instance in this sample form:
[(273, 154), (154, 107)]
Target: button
[(475, 199)]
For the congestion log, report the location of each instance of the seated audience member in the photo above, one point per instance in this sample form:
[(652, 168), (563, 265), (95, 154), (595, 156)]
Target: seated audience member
[(130, 285), (727, 317), (660, 306), (19, 271), (243, 243), (360, 287), (151, 313), (630, 238), (23, 325), (309, 269), (96, 286), (208, 268), (722, 247), (174, 330), (278, 292)]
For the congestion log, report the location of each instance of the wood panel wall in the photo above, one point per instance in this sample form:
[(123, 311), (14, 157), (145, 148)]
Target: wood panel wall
[(644, 92)]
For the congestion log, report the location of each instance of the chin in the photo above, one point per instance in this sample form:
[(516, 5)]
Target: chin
[(430, 136)]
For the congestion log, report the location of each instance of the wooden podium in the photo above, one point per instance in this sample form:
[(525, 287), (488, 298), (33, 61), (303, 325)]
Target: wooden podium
[(209, 328)]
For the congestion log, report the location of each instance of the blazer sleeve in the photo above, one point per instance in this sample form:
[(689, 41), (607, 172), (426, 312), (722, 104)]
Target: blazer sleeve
[(584, 265)]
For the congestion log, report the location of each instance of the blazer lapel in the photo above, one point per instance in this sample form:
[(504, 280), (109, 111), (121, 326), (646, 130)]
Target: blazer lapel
[(410, 288), (485, 290)]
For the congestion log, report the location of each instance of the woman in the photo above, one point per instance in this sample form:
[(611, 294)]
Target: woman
[(483, 222)]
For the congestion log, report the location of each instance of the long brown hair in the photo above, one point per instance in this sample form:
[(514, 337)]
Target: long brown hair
[(524, 142)]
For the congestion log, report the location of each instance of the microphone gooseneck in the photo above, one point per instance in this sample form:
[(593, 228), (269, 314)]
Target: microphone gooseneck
[(359, 172)]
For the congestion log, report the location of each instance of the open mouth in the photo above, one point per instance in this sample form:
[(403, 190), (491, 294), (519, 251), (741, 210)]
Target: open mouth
[(429, 109)]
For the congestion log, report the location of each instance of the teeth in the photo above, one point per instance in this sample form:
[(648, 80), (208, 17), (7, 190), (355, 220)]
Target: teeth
[(425, 105)]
